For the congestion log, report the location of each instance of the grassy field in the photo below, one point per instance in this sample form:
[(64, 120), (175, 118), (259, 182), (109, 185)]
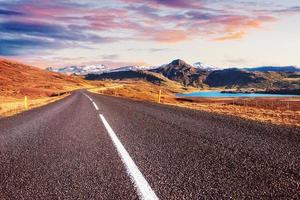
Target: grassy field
[(273, 110), (40, 86), (10, 106)]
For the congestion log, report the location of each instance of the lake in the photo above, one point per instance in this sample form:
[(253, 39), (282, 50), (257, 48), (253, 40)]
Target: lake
[(219, 94)]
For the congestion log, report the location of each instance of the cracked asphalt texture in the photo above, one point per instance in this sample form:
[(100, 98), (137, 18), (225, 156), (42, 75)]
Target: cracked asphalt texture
[(62, 151)]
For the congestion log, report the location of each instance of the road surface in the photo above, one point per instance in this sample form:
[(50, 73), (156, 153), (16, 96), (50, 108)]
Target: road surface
[(90, 146)]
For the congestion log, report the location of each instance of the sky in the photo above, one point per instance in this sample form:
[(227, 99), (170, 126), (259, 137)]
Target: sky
[(223, 33)]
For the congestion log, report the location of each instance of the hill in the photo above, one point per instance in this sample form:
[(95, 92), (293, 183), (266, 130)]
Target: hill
[(274, 69), (202, 77), (125, 75), (263, 78), (180, 71), (17, 80), (95, 69), (234, 77)]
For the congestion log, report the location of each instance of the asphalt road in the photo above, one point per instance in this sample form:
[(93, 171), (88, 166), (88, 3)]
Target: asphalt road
[(140, 150)]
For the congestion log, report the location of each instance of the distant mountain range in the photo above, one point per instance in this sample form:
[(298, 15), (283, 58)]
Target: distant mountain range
[(80, 70), (203, 76), (95, 69), (99, 68), (274, 69)]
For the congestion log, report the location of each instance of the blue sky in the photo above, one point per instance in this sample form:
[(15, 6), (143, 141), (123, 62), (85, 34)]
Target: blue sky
[(135, 32)]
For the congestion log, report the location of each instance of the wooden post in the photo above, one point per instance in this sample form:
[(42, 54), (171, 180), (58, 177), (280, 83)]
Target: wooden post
[(272, 104), (159, 96), (26, 103)]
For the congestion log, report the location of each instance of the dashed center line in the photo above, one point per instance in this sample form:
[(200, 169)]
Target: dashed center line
[(145, 192), (95, 105)]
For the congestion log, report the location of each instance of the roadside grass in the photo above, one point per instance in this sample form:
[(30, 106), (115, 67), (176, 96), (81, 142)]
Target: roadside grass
[(276, 115), (10, 106), (272, 110), (139, 90)]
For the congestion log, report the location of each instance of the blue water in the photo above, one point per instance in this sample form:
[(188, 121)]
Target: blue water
[(218, 94)]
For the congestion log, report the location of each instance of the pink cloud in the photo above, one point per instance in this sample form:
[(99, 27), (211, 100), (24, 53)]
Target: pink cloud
[(170, 3), (169, 36), (167, 21)]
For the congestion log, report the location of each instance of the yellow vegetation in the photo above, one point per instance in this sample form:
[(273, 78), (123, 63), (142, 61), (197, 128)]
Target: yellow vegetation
[(253, 109), (10, 106)]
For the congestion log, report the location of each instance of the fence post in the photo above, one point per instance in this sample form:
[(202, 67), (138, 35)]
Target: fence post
[(159, 96), (26, 103), (272, 104)]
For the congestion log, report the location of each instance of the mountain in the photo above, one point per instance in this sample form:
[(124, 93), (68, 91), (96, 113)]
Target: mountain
[(274, 69), (203, 76), (125, 75), (234, 77), (131, 68), (80, 70), (201, 65), (196, 75), (95, 69), (17, 80), (180, 71), (207, 76)]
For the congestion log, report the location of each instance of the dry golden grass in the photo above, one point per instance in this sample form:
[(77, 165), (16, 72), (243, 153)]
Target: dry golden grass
[(10, 106), (42, 87), (266, 110), (276, 116), (141, 90), (18, 80)]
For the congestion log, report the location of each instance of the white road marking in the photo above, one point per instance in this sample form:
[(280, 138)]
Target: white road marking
[(88, 97), (95, 105), (145, 192)]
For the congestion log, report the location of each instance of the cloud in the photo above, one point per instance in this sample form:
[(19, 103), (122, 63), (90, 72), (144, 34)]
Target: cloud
[(46, 30), (290, 10), (168, 36), (237, 61), (10, 47), (110, 57), (10, 12), (86, 23), (170, 3), (231, 36), (19, 36)]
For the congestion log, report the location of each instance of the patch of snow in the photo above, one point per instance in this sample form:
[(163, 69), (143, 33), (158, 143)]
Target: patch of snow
[(200, 65)]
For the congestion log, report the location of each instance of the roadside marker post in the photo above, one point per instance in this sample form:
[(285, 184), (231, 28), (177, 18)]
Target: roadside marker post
[(159, 96), (26, 102)]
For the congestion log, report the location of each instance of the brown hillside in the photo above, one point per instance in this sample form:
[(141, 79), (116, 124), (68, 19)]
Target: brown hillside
[(17, 80)]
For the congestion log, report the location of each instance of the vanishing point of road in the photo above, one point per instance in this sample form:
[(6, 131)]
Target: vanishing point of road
[(90, 146)]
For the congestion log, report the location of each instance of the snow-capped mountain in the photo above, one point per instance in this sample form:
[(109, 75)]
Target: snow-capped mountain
[(125, 68), (203, 66), (132, 68), (80, 70), (95, 69)]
